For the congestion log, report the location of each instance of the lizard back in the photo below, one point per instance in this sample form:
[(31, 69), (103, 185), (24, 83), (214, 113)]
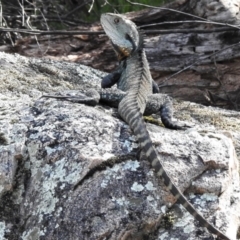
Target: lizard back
[(135, 81)]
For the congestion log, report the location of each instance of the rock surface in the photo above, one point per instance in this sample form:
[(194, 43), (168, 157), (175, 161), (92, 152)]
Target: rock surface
[(70, 171)]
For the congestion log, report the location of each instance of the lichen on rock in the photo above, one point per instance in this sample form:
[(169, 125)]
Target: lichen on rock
[(55, 180)]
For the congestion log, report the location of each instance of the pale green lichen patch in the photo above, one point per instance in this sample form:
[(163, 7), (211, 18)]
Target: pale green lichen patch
[(123, 202), (151, 173), (58, 212), (128, 145), (115, 168), (109, 174), (49, 182), (206, 197), (186, 223), (164, 209), (131, 165), (164, 236), (137, 187), (149, 186), (153, 203), (150, 198), (2, 230), (33, 234), (50, 150), (209, 197), (104, 183)]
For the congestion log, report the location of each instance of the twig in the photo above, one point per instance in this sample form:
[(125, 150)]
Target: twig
[(90, 9), (181, 22), (23, 12), (8, 33), (59, 32), (46, 24), (48, 18), (187, 14), (222, 29), (64, 32)]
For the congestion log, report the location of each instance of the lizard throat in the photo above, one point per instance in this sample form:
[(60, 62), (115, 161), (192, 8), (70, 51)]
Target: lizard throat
[(123, 53)]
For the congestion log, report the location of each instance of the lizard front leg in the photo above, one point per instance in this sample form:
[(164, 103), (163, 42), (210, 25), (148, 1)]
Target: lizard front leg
[(90, 97), (111, 79), (161, 104), (110, 96), (155, 88)]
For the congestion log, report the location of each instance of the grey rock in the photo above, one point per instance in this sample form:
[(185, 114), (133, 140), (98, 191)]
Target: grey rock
[(70, 171)]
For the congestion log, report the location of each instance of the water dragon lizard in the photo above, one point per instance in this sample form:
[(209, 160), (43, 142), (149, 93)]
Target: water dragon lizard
[(134, 95), (136, 81)]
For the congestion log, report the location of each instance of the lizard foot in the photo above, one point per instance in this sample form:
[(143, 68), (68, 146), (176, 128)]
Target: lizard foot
[(175, 125)]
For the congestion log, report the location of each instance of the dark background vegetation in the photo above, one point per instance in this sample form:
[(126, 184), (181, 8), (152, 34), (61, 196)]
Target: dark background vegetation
[(58, 14)]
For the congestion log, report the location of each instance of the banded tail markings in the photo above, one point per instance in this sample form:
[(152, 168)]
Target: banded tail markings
[(146, 145)]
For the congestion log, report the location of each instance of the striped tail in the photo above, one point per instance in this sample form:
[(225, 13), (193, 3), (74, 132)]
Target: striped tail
[(130, 113)]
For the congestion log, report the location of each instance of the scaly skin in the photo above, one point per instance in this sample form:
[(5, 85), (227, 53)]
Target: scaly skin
[(136, 82)]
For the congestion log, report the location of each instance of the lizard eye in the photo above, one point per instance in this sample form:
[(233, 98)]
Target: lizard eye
[(116, 20)]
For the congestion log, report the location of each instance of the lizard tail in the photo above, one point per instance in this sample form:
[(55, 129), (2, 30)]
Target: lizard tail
[(130, 112)]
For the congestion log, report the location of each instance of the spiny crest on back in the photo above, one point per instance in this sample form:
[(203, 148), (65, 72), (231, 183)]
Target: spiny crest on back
[(142, 38)]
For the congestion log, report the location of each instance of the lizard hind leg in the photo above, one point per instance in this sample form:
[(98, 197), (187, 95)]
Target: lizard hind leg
[(161, 104), (166, 113)]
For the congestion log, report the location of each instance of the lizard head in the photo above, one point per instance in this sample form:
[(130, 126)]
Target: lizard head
[(122, 32)]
